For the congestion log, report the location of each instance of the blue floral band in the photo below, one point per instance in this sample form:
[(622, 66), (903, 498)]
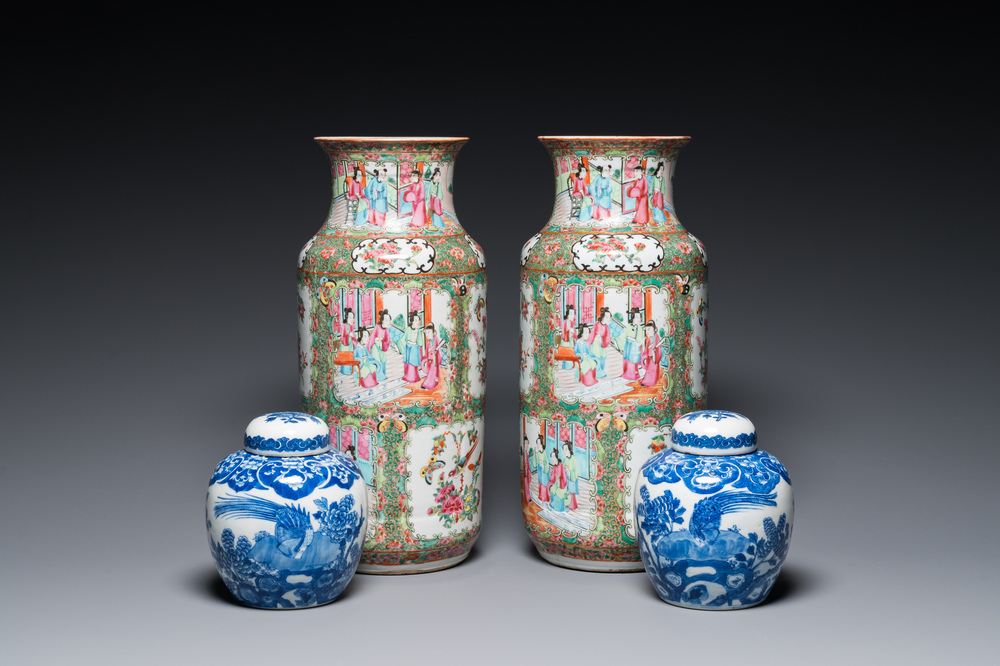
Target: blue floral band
[(758, 472), (291, 478), (743, 440), (287, 445)]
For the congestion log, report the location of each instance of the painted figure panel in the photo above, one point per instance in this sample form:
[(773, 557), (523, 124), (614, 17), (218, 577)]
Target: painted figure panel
[(558, 468), (392, 195), (613, 342)]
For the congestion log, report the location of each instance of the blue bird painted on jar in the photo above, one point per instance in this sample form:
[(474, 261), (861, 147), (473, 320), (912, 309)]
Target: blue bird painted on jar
[(293, 530), (707, 515)]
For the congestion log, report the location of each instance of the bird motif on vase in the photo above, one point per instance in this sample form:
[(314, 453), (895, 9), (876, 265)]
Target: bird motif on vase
[(463, 459)]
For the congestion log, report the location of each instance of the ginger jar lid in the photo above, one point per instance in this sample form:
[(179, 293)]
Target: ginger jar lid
[(714, 432), (284, 434)]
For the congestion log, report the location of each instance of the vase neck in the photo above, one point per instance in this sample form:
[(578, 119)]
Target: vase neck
[(614, 183), (390, 186)]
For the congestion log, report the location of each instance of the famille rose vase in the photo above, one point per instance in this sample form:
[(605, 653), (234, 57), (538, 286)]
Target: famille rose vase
[(392, 346), (286, 515), (614, 316), (715, 514)]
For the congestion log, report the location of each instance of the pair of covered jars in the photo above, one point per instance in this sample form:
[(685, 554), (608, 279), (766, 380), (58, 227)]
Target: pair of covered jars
[(286, 516)]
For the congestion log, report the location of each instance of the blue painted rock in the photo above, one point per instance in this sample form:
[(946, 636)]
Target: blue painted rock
[(286, 516), (714, 514)]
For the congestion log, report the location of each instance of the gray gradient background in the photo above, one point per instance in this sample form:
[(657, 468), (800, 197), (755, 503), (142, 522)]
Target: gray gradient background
[(158, 184)]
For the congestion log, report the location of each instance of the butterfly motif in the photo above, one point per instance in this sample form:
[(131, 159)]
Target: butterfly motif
[(326, 288), (433, 465), (397, 421), (548, 285), (608, 419)]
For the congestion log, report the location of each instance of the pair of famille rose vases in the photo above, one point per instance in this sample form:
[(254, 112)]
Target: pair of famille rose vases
[(613, 324), (392, 324)]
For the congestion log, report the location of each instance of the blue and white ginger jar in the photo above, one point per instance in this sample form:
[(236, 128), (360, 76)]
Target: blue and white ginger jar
[(287, 515), (714, 514)]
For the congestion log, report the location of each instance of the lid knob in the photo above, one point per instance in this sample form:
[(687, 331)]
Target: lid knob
[(284, 434), (714, 432)]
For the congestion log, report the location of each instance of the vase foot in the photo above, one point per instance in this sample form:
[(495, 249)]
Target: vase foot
[(402, 569), (590, 565)]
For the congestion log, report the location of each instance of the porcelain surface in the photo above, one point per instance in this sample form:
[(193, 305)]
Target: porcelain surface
[(392, 346), (286, 517), (613, 329), (714, 529)]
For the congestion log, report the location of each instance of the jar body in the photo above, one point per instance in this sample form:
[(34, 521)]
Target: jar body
[(714, 530), (392, 347), (286, 532), (614, 317)]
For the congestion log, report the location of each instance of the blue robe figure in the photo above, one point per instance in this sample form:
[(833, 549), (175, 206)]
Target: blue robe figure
[(658, 215), (582, 192), (588, 364), (397, 338), (357, 193), (376, 193), (557, 503), (632, 354), (369, 366), (433, 198), (411, 355), (601, 187)]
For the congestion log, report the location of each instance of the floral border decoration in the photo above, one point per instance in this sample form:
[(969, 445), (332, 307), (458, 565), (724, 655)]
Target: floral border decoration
[(259, 444)]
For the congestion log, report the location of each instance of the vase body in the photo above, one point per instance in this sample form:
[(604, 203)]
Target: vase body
[(392, 346), (715, 514), (614, 316), (286, 516)]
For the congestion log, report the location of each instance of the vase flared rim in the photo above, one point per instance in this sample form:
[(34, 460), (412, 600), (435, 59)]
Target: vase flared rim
[(617, 137), (392, 139)]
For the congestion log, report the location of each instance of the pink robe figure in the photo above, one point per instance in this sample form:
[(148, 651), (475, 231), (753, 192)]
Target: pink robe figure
[(356, 192), (630, 370), (600, 330), (543, 493), (346, 332), (651, 360), (569, 330), (600, 352), (430, 361), (589, 378), (526, 473), (410, 373), (381, 334), (415, 195), (558, 474), (435, 205), (658, 199), (580, 188), (369, 380), (639, 190)]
